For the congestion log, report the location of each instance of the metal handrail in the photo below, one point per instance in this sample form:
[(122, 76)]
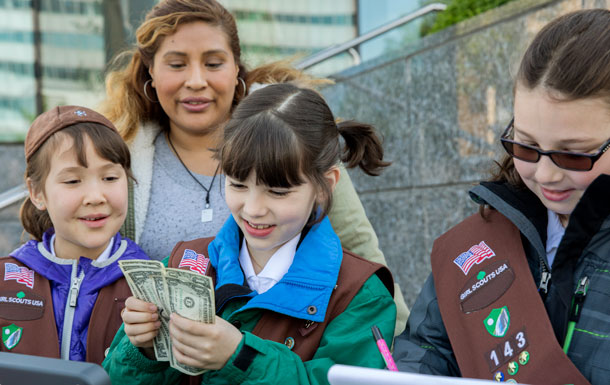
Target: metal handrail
[(18, 193), (340, 48), (13, 195)]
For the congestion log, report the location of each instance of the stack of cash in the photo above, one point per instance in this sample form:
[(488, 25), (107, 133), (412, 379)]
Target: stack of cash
[(189, 294)]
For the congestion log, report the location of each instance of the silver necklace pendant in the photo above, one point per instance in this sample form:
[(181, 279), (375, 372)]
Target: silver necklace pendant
[(207, 214)]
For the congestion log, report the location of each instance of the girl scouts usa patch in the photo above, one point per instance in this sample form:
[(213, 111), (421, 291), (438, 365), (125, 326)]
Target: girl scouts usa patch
[(24, 305), (11, 335)]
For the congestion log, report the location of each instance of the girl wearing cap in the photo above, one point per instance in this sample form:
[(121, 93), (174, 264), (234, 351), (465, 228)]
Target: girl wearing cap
[(62, 292), (170, 104)]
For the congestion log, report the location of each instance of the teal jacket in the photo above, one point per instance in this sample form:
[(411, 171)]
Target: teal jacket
[(310, 280)]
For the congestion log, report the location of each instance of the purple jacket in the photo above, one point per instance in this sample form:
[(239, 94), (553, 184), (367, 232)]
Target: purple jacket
[(75, 285)]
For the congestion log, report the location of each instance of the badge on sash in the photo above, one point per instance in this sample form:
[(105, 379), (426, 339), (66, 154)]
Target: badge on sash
[(24, 305), (475, 255), (11, 335), (487, 286), (497, 322), (195, 262), (18, 273)]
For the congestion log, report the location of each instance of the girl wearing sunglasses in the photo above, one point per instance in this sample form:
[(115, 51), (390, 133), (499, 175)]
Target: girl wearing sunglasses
[(520, 291)]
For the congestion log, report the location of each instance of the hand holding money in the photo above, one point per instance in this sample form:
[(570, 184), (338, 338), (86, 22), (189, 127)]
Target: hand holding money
[(184, 292), (141, 324), (203, 345)]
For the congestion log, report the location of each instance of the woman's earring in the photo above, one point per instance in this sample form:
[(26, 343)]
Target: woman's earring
[(146, 92), (243, 83)]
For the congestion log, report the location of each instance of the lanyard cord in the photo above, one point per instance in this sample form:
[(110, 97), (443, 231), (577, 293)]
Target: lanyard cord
[(207, 190)]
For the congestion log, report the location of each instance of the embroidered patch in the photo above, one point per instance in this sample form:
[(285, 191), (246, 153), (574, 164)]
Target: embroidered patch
[(195, 262), (21, 306), (475, 255), (20, 274), (498, 321), (508, 350), (489, 285), (11, 335)]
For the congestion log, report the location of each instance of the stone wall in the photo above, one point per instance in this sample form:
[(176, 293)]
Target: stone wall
[(441, 106)]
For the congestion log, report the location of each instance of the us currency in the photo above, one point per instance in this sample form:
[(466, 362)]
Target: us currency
[(189, 294), (146, 281)]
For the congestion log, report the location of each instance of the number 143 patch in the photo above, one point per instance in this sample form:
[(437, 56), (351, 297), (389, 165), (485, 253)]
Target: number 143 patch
[(506, 350)]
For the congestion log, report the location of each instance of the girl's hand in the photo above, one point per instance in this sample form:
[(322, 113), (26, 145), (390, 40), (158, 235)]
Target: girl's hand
[(141, 323), (206, 346)]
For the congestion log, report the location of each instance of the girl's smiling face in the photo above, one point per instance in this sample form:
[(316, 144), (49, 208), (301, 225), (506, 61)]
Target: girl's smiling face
[(268, 216), (87, 205), (552, 124)]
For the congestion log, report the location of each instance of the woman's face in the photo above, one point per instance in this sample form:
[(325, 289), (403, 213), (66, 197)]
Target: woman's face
[(577, 126), (195, 74)]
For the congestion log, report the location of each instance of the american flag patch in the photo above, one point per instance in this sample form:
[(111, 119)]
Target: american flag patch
[(475, 255), (195, 262), (20, 274)]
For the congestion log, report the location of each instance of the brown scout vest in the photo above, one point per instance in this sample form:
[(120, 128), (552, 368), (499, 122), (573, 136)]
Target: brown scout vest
[(39, 335), (502, 281), (306, 335)]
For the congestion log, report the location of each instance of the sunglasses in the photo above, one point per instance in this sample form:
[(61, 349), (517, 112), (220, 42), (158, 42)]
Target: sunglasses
[(574, 161)]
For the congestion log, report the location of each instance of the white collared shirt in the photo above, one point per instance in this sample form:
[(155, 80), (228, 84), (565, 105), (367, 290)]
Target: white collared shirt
[(274, 270), (104, 256), (554, 233)]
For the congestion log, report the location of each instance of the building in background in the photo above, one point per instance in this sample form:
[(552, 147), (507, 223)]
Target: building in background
[(276, 29), (69, 43), (70, 54), (375, 13)]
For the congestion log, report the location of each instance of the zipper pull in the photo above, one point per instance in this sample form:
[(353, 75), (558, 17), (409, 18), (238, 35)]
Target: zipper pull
[(579, 298), (75, 287), (544, 282)]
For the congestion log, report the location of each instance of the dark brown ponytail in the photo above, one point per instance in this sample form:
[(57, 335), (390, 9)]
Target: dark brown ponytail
[(362, 147)]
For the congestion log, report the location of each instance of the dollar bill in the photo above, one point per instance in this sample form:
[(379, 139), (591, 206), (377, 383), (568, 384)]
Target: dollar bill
[(146, 281), (187, 293)]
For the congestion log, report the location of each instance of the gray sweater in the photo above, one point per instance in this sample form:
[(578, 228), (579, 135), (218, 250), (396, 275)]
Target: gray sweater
[(176, 202)]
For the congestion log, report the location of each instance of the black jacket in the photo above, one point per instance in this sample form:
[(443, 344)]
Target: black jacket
[(424, 346)]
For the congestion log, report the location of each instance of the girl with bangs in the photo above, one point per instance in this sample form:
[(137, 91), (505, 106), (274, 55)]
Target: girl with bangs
[(63, 290), (290, 301)]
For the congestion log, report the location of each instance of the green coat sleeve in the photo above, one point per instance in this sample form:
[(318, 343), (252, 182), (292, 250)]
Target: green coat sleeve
[(347, 340), (357, 235), (126, 365)]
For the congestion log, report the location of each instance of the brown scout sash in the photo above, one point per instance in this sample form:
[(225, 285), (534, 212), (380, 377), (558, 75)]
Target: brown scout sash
[(39, 333), (495, 319), (301, 336)]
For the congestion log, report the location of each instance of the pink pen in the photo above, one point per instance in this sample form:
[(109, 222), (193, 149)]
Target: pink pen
[(383, 349)]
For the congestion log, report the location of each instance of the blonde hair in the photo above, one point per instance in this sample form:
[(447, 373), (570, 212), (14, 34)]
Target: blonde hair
[(126, 103)]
